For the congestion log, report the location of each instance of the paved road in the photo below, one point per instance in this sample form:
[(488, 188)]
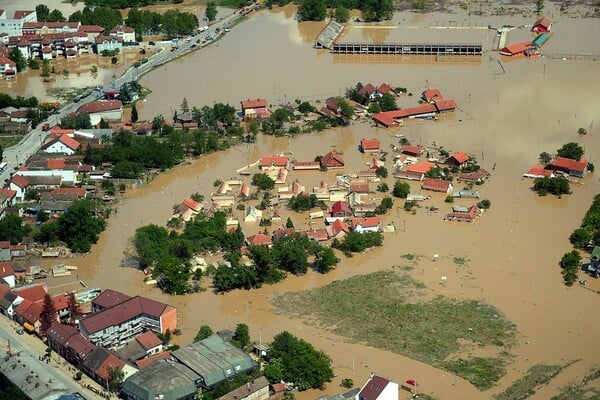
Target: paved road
[(40, 380), (18, 154)]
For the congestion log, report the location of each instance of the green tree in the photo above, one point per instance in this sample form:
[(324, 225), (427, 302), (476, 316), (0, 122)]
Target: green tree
[(305, 107), (386, 204), (263, 181), (571, 259), (539, 6), (580, 238), (484, 204), (115, 378), (376, 10), (134, 114), (56, 16), (13, 228), (387, 102), (313, 10), (45, 68), (325, 259), (16, 55), (545, 157), (342, 14), (211, 11), (48, 233), (203, 333), (556, 186), (77, 121), (79, 225), (401, 190), (345, 108), (273, 371), (184, 106), (571, 150), (289, 223), (301, 363), (381, 172), (42, 12), (241, 337), (356, 242), (374, 108), (383, 187)]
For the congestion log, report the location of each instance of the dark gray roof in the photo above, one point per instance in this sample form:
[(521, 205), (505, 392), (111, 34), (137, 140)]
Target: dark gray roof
[(7, 299), (96, 358), (131, 350), (214, 359), (55, 205), (163, 377), (44, 180)]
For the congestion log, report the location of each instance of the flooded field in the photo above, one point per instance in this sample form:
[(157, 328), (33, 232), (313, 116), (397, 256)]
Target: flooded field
[(504, 119)]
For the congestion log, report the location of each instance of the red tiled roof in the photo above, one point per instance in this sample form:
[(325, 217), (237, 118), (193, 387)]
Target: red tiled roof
[(6, 269), (79, 191), (80, 345), (422, 167), (100, 106), (367, 90), (254, 103), (55, 164), (29, 311), (336, 227), (316, 234), (46, 50), (126, 29), (110, 361), (384, 88), (474, 176), (60, 333), (22, 13), (110, 298), (283, 232), (123, 312), (437, 185), (5, 60), (9, 193), (373, 388), (432, 94), (412, 150), (569, 164), (370, 144), (61, 302), (33, 293), (91, 28), (445, 105), (69, 142), (359, 187), (148, 340), (332, 104), (277, 161), (51, 25), (515, 48), (545, 22), (191, 204), (144, 362), (340, 207), (5, 244), (20, 181), (537, 171), (366, 222), (102, 38), (260, 239), (459, 158), (332, 159)]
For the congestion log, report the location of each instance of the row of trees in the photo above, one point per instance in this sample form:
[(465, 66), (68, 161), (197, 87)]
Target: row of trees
[(172, 23), (127, 3), (102, 16), (316, 10), (44, 14)]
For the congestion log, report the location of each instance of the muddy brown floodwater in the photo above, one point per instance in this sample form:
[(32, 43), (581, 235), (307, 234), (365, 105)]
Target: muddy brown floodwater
[(504, 119)]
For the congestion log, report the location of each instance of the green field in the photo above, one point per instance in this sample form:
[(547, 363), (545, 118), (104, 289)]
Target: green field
[(402, 321), (7, 141)]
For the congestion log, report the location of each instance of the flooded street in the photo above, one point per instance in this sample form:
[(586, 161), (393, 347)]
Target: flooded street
[(504, 119)]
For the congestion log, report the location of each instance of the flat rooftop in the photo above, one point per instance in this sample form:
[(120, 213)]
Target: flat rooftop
[(400, 35)]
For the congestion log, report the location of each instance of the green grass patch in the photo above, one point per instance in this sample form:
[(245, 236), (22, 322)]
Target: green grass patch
[(581, 390), (483, 372), (526, 386), (426, 331), (411, 257), (8, 141), (461, 261)]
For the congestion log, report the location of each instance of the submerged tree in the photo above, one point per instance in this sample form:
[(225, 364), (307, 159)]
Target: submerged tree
[(48, 315)]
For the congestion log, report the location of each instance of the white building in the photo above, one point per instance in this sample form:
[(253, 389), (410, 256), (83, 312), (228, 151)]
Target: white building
[(125, 33), (14, 26), (62, 144)]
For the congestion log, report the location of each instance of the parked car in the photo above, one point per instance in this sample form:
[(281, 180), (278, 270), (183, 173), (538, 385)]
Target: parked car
[(151, 43), (46, 127)]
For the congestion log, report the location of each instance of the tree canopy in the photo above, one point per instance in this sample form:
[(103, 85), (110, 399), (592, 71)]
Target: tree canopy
[(13, 228), (211, 11), (555, 185), (300, 362), (204, 332), (79, 227), (401, 190), (571, 150), (263, 181)]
